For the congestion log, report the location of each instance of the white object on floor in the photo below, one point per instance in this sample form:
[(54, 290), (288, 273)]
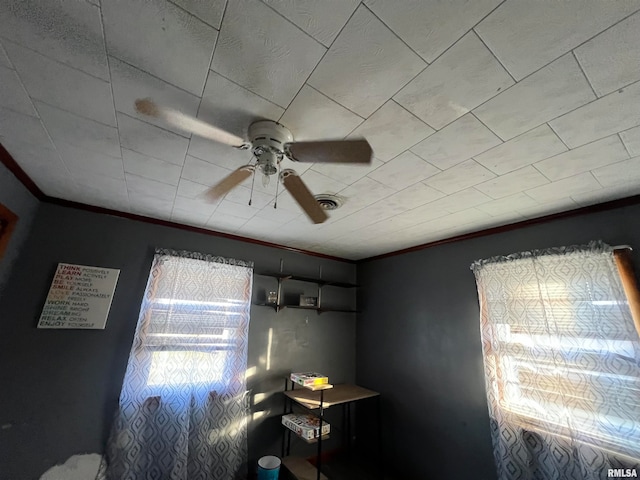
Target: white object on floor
[(77, 467)]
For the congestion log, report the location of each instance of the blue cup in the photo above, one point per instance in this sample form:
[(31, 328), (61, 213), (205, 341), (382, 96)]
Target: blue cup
[(268, 468)]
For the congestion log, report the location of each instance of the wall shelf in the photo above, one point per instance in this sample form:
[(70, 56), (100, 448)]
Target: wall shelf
[(300, 278), (282, 277), (302, 307)]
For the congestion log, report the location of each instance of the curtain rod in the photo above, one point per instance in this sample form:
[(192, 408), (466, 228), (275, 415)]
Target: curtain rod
[(623, 247)]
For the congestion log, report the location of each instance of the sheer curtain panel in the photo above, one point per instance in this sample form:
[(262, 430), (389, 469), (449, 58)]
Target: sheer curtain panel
[(562, 364), (183, 407)]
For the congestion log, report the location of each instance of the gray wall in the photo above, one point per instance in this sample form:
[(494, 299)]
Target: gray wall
[(418, 343), (16, 198), (60, 387)]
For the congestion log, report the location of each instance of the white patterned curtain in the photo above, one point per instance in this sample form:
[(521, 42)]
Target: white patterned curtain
[(562, 364), (183, 407)]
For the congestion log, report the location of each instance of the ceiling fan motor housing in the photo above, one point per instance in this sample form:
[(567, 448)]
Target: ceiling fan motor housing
[(268, 139)]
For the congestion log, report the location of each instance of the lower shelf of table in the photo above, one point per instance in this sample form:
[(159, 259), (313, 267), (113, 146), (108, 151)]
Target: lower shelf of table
[(301, 469)]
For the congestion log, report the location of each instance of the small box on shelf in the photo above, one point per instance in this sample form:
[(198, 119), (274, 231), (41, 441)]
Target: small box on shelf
[(310, 379), (306, 301), (306, 426)]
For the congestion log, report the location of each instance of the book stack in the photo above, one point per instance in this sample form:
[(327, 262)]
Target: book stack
[(309, 379), (305, 425)]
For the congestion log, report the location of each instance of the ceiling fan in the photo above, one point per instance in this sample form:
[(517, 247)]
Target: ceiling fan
[(269, 142)]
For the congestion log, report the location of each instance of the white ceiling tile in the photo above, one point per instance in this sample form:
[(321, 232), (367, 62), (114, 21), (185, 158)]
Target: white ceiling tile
[(263, 52), (464, 175), (97, 163), (412, 197), (552, 91), (18, 128), (366, 65), (508, 205), (257, 227), (41, 160), (417, 216), (513, 182), (152, 188), (389, 226), (150, 206), (611, 59), (199, 205), (200, 171), (224, 222), (89, 182), (13, 95), (521, 151), (232, 107), (631, 139), (582, 159), (189, 189), (527, 35), (617, 174), (210, 11), (318, 183), (99, 198), (161, 39), (391, 130), (130, 84), (189, 217), (431, 27), (549, 208), (81, 132), (280, 215), (607, 194), (236, 209), (62, 86), (403, 171), (4, 60), (566, 187), (360, 219), (151, 141), (613, 113), (150, 167), (364, 192), (242, 195), (463, 78), (443, 223), (347, 173), (67, 30), (313, 116), (322, 20), (381, 210), (457, 142), (458, 201)]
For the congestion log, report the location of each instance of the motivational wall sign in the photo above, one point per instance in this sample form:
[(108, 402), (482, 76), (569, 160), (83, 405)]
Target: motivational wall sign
[(79, 297)]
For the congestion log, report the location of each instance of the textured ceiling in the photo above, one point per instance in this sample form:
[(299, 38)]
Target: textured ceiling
[(480, 113)]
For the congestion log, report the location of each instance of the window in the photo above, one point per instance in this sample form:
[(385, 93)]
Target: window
[(183, 408), (194, 323), (561, 353)]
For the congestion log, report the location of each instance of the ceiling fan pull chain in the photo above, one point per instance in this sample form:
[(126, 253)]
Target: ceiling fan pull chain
[(253, 180), (275, 200)]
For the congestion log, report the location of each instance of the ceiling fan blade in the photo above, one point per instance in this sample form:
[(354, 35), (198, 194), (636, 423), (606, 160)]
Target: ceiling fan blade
[(184, 122), (331, 151), (232, 180), (299, 191)]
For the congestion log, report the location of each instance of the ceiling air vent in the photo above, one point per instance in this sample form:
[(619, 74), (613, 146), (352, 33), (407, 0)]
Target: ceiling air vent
[(329, 202)]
